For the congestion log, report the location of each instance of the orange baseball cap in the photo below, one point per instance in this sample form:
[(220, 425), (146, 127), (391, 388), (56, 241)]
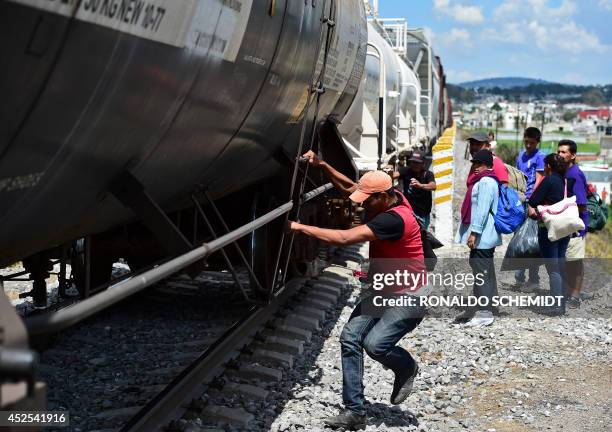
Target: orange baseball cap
[(370, 183)]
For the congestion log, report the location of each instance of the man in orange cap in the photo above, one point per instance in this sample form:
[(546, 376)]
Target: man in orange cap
[(395, 243)]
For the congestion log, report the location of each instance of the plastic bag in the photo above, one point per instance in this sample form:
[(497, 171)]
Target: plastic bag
[(523, 246)]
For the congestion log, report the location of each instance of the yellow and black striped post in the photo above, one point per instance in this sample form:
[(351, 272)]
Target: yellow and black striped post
[(442, 167)]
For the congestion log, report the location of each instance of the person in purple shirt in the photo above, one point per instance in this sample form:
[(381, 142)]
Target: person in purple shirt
[(576, 248), (531, 162)]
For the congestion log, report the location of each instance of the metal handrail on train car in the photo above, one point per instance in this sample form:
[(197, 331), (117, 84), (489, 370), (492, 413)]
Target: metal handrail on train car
[(56, 321), (316, 192), (63, 318)]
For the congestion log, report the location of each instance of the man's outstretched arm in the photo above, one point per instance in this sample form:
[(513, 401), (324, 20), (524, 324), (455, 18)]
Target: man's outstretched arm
[(335, 237), (339, 180)]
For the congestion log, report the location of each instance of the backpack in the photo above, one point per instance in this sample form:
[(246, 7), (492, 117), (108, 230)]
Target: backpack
[(517, 180), (429, 244), (510, 211), (598, 213)]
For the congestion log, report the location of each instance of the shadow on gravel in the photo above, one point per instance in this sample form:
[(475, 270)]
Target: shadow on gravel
[(392, 416)]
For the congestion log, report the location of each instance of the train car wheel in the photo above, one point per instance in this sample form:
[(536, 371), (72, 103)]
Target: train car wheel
[(101, 267)]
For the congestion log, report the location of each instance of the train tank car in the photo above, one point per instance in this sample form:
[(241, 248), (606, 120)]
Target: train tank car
[(404, 124), (176, 93)]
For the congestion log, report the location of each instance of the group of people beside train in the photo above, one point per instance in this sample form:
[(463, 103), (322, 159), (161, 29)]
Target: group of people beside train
[(549, 179), (556, 167), (395, 220)]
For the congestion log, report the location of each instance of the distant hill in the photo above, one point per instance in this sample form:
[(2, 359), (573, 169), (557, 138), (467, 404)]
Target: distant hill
[(594, 95), (502, 83)]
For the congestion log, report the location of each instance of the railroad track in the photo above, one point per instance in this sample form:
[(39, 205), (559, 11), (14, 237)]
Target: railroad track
[(106, 369), (246, 371), (182, 351)]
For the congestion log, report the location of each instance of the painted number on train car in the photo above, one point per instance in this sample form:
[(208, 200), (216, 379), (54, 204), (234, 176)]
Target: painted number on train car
[(165, 21)]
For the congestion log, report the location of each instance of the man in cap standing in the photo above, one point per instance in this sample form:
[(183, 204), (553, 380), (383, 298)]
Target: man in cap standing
[(479, 141), (394, 236), (419, 185)]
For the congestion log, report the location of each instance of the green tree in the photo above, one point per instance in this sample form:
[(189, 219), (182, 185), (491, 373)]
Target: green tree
[(569, 116), (593, 96), (507, 153)]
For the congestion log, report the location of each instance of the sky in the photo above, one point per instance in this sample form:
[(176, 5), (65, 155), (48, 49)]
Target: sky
[(567, 41)]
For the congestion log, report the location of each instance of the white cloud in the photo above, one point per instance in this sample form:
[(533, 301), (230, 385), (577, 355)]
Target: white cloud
[(537, 9), (510, 32), (576, 39), (505, 10), (457, 37), (467, 14), (569, 37), (605, 4), (546, 27), (429, 33)]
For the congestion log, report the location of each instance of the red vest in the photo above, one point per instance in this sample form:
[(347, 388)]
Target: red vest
[(409, 246), (388, 256)]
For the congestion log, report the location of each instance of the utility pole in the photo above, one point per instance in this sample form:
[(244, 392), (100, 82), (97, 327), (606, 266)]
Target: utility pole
[(543, 122), (496, 124), (518, 122)]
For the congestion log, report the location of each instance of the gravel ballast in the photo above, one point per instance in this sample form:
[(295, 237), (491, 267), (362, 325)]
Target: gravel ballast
[(525, 372)]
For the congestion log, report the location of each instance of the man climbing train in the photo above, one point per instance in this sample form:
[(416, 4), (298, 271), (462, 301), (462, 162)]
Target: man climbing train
[(395, 241)]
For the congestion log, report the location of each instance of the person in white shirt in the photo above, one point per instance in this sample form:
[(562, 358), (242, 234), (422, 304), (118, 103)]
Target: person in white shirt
[(492, 145)]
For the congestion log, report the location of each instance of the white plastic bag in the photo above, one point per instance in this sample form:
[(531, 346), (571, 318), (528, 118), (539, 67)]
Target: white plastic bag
[(561, 219)]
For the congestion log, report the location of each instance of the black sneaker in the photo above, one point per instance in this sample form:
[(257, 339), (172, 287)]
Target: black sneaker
[(346, 419), (403, 385), (573, 302)]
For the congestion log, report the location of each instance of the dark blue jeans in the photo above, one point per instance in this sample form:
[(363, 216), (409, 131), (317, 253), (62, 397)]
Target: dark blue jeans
[(377, 336), (534, 277), (425, 220), (553, 254), (481, 262)]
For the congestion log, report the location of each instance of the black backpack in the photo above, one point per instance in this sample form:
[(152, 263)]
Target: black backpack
[(430, 242)]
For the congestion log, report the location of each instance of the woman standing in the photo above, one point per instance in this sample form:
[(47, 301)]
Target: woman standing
[(478, 232), (553, 188)]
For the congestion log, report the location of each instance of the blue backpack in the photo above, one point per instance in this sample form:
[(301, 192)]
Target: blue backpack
[(510, 211)]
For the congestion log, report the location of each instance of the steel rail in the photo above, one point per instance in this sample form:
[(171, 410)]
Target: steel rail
[(63, 318), (171, 403)]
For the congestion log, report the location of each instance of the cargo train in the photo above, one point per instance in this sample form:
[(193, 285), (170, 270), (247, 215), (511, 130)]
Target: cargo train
[(124, 122)]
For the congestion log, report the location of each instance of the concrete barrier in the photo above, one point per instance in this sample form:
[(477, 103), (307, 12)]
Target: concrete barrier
[(442, 166)]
